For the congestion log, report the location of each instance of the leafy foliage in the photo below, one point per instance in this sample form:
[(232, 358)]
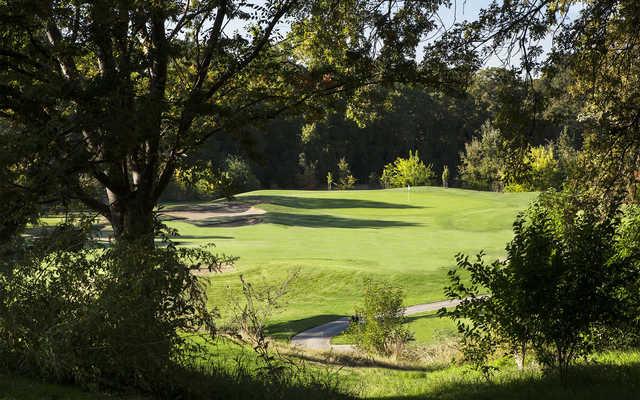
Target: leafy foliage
[(346, 181), (329, 180), (132, 89), (235, 177), (555, 289), (544, 167), (493, 162), (481, 165), (378, 327), (405, 172), (445, 176), (115, 317)]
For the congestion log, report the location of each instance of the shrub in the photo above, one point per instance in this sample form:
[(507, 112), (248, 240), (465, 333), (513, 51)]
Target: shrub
[(482, 163), (445, 177), (627, 262), (346, 181), (111, 317), (543, 168), (551, 293), (239, 177), (407, 171), (235, 177), (329, 180), (379, 324), (516, 188)]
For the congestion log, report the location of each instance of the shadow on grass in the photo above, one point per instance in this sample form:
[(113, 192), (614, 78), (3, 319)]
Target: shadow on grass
[(588, 382), (355, 360), (222, 206), (286, 330), (411, 318), (208, 237), (324, 203), (329, 221)]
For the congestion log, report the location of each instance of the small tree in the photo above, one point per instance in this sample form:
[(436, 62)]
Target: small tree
[(482, 162), (550, 293), (445, 177), (379, 325), (407, 172), (253, 310), (346, 181), (329, 180)]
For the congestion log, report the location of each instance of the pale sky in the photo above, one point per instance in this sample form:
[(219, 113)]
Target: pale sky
[(461, 10), (468, 10)]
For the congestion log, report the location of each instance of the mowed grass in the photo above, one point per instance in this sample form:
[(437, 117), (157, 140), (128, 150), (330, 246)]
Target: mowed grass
[(339, 239)]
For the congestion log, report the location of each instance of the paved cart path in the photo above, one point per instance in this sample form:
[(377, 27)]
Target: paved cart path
[(319, 337)]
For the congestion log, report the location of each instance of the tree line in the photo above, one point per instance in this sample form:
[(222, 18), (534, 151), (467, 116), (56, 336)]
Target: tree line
[(501, 133)]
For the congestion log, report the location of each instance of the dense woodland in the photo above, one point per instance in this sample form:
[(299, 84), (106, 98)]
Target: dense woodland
[(444, 128)]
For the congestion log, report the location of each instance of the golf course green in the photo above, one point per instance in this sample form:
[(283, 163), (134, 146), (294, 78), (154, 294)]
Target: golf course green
[(336, 240)]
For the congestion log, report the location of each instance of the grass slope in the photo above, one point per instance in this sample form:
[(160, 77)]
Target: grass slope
[(339, 239)]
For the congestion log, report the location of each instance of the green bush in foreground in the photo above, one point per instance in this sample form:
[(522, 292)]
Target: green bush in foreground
[(108, 317), (379, 321), (560, 288)]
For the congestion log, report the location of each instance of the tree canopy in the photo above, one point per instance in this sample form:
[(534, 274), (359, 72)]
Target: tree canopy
[(112, 95)]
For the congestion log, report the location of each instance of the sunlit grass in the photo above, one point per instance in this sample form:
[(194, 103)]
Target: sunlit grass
[(337, 240)]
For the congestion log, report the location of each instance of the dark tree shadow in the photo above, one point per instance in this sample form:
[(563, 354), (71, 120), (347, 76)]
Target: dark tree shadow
[(180, 238), (411, 318), (362, 361), (329, 221), (227, 222), (321, 203)]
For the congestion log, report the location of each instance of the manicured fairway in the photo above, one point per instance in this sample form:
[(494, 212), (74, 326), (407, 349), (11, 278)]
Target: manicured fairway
[(339, 239)]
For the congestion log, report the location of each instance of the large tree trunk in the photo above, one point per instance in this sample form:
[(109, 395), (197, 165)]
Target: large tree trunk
[(132, 218)]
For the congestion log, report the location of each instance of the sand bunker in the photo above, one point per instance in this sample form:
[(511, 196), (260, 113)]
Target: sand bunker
[(226, 214)]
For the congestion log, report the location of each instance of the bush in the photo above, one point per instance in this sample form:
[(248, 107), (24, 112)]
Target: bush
[(329, 180), (552, 293), (627, 262), (407, 172), (516, 188), (544, 169), (306, 177), (113, 317), (238, 177), (346, 181), (203, 178), (493, 163), (379, 324), (482, 163)]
